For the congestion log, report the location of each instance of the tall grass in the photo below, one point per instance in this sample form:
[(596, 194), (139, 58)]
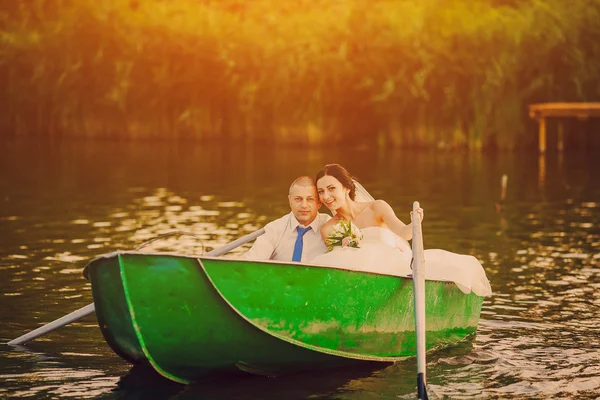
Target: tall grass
[(424, 73)]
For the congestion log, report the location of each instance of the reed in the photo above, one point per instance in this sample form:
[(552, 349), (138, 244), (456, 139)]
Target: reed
[(457, 74)]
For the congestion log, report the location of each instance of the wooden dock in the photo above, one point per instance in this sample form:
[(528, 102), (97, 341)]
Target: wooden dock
[(542, 111)]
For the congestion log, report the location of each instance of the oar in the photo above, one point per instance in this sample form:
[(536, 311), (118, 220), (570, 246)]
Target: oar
[(418, 273), (90, 308)]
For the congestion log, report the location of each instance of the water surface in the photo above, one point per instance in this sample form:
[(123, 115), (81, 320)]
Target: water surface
[(64, 203)]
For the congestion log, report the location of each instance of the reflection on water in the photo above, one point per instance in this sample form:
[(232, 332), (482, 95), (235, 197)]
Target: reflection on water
[(29, 373), (143, 383), (539, 241)]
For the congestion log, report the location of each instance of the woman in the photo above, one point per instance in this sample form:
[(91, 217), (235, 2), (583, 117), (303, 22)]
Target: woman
[(368, 236)]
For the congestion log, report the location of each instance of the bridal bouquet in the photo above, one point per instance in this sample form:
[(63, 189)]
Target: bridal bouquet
[(343, 234)]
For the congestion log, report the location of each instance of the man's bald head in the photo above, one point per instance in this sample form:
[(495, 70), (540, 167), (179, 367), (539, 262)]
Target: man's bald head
[(302, 181), (304, 200)]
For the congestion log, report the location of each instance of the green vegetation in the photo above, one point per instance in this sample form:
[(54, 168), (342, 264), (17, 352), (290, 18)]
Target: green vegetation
[(453, 73)]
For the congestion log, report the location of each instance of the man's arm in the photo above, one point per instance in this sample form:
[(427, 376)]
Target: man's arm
[(264, 246), (262, 249)]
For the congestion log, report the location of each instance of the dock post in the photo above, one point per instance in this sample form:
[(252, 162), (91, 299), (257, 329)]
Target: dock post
[(541, 170), (561, 130), (542, 144)]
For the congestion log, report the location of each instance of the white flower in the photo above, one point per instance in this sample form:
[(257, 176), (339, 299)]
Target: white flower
[(343, 234)]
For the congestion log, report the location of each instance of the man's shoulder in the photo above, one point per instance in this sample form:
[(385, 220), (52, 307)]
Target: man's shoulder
[(279, 222)]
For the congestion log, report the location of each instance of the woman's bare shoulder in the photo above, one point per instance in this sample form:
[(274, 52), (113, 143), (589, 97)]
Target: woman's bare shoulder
[(379, 205), (366, 204)]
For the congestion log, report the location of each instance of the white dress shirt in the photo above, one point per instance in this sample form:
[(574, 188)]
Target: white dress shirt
[(277, 243)]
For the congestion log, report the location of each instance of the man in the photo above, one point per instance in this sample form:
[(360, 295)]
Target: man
[(295, 236)]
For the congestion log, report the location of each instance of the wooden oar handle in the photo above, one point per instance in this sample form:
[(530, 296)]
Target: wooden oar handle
[(419, 293), (90, 308), (62, 321)]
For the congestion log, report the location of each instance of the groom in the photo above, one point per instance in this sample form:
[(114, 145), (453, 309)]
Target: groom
[(295, 236)]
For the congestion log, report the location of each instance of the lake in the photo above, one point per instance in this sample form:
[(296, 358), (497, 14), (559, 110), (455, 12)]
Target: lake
[(66, 202)]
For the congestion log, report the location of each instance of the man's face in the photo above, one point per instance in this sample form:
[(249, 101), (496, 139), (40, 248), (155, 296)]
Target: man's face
[(304, 203)]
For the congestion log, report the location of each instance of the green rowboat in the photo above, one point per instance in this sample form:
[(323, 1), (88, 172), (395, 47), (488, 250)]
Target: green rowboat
[(191, 318)]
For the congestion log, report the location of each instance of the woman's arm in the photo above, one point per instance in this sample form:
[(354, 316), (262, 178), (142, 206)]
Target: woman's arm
[(384, 211), (327, 228)]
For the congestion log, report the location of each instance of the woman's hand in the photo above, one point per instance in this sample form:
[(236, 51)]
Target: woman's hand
[(346, 241), (420, 212)]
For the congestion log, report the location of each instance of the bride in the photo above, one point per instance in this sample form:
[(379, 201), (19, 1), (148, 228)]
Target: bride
[(367, 235)]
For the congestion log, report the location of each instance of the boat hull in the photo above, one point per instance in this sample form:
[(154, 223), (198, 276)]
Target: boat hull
[(112, 311), (196, 317)]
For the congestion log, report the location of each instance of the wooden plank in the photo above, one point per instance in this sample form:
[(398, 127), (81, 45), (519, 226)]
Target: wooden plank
[(578, 110)]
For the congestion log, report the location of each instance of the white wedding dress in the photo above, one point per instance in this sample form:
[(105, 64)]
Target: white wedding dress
[(383, 252)]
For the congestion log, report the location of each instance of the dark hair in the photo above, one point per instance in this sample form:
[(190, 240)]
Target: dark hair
[(339, 173)]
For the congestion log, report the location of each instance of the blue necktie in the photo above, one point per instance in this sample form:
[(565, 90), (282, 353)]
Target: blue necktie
[(299, 243)]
